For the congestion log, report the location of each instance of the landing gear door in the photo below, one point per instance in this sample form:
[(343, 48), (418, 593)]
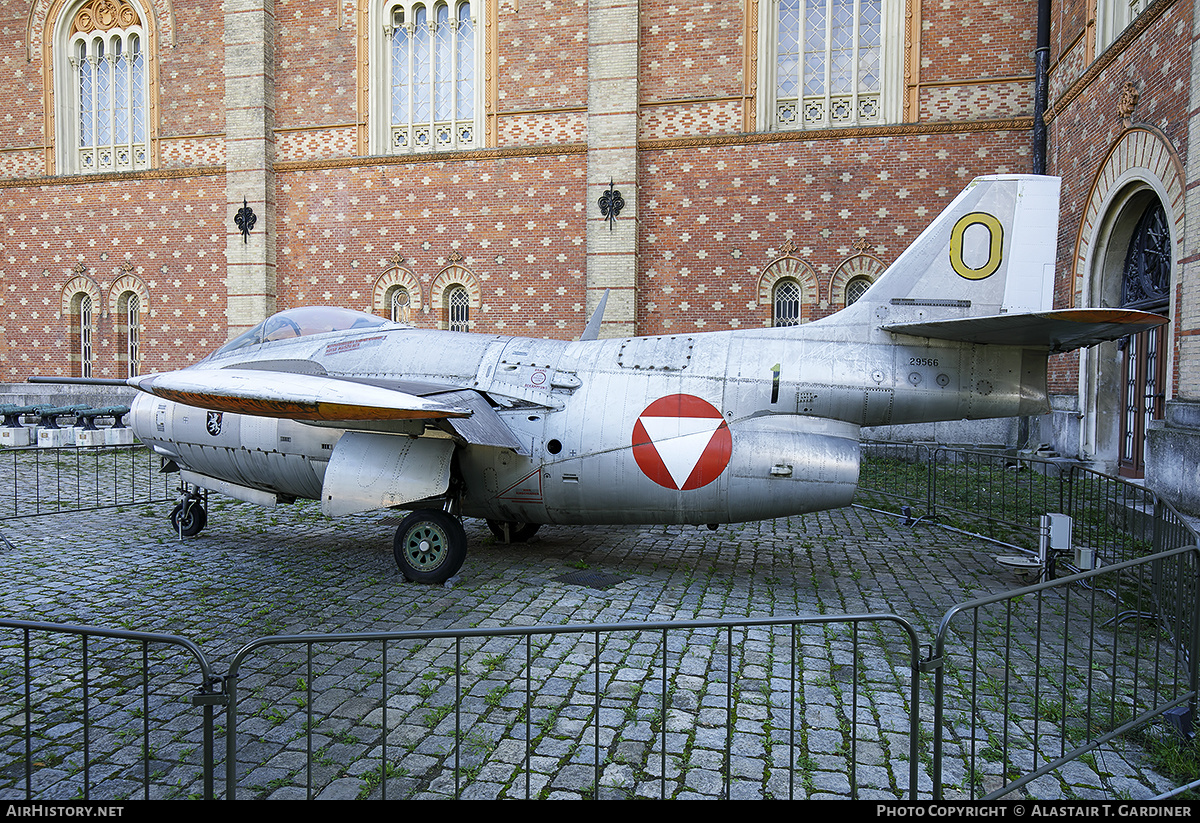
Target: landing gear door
[(377, 471)]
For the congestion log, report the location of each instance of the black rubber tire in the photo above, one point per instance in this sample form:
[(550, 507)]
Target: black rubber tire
[(517, 532), (430, 546), (191, 523)]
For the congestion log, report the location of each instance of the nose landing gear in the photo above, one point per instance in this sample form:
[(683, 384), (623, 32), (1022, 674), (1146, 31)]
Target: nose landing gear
[(190, 515)]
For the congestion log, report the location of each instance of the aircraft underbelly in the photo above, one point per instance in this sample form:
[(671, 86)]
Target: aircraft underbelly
[(751, 470), (720, 473), (280, 456)]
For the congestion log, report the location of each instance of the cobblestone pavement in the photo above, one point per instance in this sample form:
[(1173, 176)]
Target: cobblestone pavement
[(356, 720)]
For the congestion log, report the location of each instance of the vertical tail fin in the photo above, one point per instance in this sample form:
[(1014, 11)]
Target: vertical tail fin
[(990, 252)]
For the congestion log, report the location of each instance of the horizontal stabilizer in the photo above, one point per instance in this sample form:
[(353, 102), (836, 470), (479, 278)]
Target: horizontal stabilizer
[(306, 397), (1058, 331)]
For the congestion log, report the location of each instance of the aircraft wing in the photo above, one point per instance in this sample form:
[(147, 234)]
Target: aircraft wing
[(328, 400), (1059, 331), (296, 396)]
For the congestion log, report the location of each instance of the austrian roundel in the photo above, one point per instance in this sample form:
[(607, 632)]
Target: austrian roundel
[(681, 442)]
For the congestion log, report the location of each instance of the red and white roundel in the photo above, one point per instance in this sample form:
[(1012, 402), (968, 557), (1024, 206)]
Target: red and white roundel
[(681, 442)]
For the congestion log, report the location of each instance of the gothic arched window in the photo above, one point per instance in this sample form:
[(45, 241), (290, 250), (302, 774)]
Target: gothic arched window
[(399, 304), (432, 88), (130, 329), (785, 300), (81, 308), (105, 90), (1147, 275), (458, 308), (856, 288)]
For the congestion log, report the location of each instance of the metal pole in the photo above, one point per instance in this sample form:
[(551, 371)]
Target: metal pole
[(1041, 87)]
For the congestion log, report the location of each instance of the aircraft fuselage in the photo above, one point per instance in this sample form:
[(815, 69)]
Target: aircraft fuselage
[(705, 428)]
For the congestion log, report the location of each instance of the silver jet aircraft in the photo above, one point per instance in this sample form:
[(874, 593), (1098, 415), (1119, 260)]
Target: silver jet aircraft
[(705, 428)]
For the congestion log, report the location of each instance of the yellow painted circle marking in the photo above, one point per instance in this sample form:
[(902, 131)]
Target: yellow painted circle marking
[(995, 247)]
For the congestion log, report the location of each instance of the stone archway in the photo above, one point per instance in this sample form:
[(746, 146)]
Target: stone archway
[(1141, 177)]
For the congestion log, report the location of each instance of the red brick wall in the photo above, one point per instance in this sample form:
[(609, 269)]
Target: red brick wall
[(192, 73), (542, 55), (171, 232), (517, 224), (713, 219), (1087, 122), (965, 40), (315, 65), (690, 50)]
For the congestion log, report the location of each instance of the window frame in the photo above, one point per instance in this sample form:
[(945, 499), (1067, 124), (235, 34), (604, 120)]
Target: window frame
[(392, 303), (414, 135), (1113, 17), (855, 282), (457, 292), (129, 307), (777, 320), (80, 313), (891, 73), (131, 25)]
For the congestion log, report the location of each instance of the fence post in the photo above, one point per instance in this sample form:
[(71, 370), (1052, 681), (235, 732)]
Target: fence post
[(1156, 524), (1194, 646), (209, 700), (930, 481), (939, 694), (231, 735)]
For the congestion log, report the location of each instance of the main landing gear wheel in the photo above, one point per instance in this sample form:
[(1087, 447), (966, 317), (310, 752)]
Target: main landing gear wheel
[(189, 517), (517, 532), (430, 546)]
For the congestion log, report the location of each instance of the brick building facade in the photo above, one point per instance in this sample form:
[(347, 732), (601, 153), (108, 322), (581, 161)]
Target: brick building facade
[(445, 162)]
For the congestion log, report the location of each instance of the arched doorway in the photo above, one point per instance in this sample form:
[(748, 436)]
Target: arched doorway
[(1129, 233), (1145, 285)]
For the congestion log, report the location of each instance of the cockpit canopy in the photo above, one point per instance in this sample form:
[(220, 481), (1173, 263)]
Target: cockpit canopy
[(302, 322)]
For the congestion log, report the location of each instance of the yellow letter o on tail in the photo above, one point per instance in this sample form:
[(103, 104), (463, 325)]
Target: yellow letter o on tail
[(995, 247)]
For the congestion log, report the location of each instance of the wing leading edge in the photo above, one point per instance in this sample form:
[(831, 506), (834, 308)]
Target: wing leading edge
[(326, 400), (305, 397), (1059, 331)]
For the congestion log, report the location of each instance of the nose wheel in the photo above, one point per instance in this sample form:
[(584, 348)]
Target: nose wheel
[(430, 546), (190, 516)]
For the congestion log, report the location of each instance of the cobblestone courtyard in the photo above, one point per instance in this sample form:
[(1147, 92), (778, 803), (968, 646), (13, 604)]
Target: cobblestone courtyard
[(258, 572)]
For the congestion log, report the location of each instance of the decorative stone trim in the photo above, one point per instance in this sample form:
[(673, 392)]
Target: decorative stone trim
[(397, 276), (1140, 153)]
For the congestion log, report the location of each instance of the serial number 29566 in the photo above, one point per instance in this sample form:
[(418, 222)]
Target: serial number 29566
[(922, 361)]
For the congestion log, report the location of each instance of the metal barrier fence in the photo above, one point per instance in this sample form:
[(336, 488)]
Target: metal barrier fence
[(1103, 670), (1002, 496), (723, 708), (778, 706), (710, 708), (36, 481), (90, 712)]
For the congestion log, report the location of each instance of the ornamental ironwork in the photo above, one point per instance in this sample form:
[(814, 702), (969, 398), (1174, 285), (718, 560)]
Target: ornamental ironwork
[(611, 203), (1147, 275), (244, 220)]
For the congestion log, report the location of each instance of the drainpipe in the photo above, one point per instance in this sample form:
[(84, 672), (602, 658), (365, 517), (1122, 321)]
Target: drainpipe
[(1041, 96), (1041, 86)]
